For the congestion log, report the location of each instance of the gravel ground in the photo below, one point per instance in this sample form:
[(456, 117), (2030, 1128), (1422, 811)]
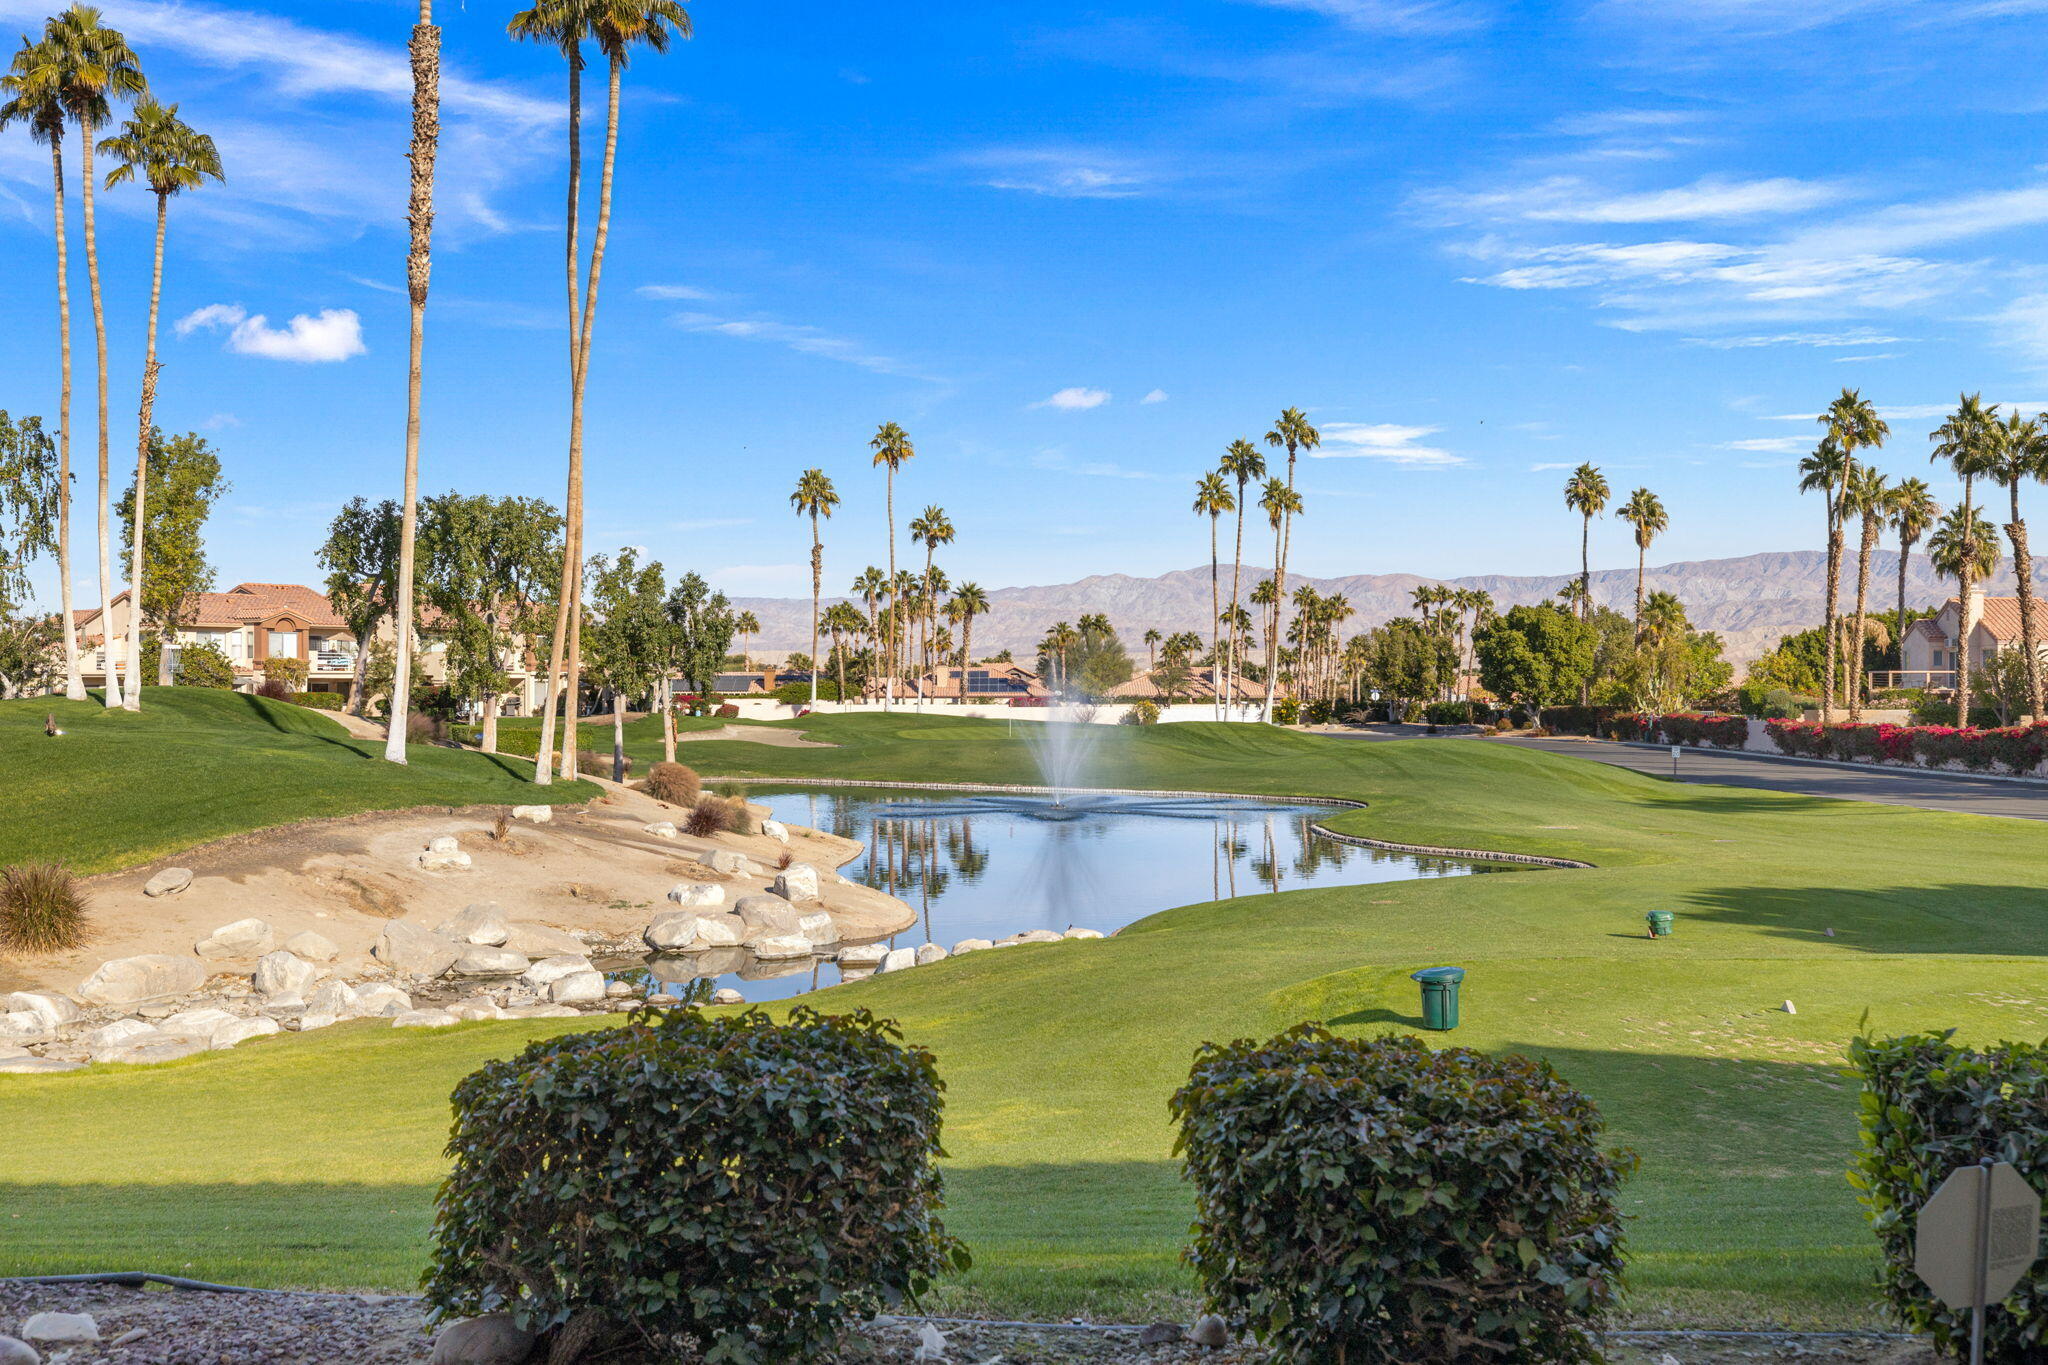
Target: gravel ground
[(187, 1328)]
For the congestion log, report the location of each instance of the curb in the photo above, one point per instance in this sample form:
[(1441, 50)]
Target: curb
[(1908, 769)]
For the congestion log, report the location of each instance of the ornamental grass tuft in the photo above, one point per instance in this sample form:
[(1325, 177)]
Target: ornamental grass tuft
[(42, 910)]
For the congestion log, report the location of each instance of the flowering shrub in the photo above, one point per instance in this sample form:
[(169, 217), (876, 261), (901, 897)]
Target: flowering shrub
[(1799, 738), (1688, 727), (2017, 749)]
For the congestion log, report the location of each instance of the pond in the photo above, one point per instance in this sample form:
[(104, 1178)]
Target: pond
[(988, 865)]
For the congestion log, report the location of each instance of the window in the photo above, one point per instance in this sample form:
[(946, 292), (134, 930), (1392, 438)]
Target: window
[(1990, 657), (284, 644)]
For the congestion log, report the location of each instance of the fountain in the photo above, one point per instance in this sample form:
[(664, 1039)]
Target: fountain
[(1062, 745)]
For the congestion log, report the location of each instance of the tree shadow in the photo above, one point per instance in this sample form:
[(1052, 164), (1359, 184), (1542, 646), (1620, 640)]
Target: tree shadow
[(2002, 920), (1375, 1016)]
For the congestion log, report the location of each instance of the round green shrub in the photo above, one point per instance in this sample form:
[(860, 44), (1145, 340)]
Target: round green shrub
[(321, 701), (41, 910), (1375, 1202), (1143, 711), (758, 1188), (203, 665)]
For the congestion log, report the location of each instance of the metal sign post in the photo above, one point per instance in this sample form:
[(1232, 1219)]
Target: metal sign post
[(1976, 1237), (1674, 762)]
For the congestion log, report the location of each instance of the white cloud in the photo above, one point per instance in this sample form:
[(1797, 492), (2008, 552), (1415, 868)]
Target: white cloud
[(803, 339), (332, 334), (1387, 441), (1824, 340), (674, 291), (1554, 464), (1074, 399), (1060, 172), (1914, 412), (221, 421), (1156, 396), (1390, 16), (1780, 445), (1570, 199)]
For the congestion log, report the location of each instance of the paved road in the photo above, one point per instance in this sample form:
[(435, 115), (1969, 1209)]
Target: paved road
[(1965, 795)]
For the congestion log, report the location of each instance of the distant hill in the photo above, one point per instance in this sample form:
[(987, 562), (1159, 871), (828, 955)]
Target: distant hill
[(1751, 600)]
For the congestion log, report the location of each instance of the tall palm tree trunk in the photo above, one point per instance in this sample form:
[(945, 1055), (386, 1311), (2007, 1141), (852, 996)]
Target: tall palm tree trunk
[(1963, 582), (1828, 640), (112, 693), (817, 592), (1215, 629), (1642, 551), (133, 699), (1236, 572), (2023, 574), (543, 763), (1853, 651), (1586, 592), (1905, 553), (1273, 624), (74, 680), (889, 639), (426, 138)]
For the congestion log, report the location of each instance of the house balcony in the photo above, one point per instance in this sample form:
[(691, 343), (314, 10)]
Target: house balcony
[(333, 661), (1936, 678)]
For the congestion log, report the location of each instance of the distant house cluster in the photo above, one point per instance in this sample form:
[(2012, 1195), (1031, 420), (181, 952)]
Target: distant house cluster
[(1929, 652)]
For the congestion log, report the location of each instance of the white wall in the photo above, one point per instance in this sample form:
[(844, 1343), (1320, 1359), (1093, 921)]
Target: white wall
[(762, 709)]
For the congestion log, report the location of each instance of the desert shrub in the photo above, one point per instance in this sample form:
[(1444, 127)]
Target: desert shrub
[(290, 672), (1938, 711), (1930, 1106), (711, 815), (276, 689), (320, 701), (1448, 713), (742, 817), (760, 1188), (1766, 701), (1798, 738), (727, 711), (42, 909), (1287, 711), (203, 665), (425, 729), (1143, 711), (1320, 711), (1373, 1201), (673, 783)]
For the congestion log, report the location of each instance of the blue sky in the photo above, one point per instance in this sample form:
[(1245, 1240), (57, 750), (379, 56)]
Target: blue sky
[(1075, 250)]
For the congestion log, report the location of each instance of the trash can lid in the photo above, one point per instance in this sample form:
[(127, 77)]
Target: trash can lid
[(1450, 974), (1660, 914)]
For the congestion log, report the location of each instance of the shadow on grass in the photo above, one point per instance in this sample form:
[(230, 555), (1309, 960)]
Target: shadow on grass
[(1999, 920)]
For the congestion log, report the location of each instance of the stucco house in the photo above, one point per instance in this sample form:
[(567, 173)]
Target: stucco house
[(1982, 625)]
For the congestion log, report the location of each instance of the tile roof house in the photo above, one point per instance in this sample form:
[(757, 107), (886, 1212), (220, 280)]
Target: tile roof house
[(1201, 686), (1928, 652)]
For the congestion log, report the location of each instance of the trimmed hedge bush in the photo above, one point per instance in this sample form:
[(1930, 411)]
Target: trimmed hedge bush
[(757, 1187), (1930, 1106), (1375, 1202), (2016, 749), (321, 701), (1449, 713)]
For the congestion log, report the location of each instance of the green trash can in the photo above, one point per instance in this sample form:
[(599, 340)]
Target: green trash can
[(1660, 923), (1439, 996)]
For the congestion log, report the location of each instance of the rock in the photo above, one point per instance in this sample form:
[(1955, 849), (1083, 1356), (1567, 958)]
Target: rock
[(780, 947), (729, 861), (476, 1009), (539, 815), (281, 974), (797, 883), (541, 1012), (862, 955), (26, 1066), (55, 1010), (660, 829), (541, 940), (168, 882), (682, 931), (771, 914), (312, 947), (490, 962), (119, 1036), (411, 950), (149, 978), (335, 998), (445, 843), (1038, 936), (820, 928), (971, 945), (928, 953), (577, 988), (776, 830), (549, 970), (1162, 1334), (200, 1023), (15, 1351), (1075, 931), (493, 1339), (23, 1026), (481, 923), (618, 990), (426, 1018), (241, 1031), (697, 894), (444, 862), (243, 938), (1210, 1330), (726, 995), (897, 959), (60, 1329), (132, 1334), (378, 1002), (162, 1050)]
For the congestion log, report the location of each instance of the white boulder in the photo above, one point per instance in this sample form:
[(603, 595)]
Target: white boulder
[(541, 1012), (928, 953), (444, 843), (730, 862), (56, 1010), (1075, 931), (682, 931), (577, 988), (476, 1009), (242, 1030), (897, 959), (243, 938), (549, 970), (413, 951), (122, 1033), (971, 945), (697, 894), (152, 1050), (378, 1002), (60, 1329), (780, 947), (22, 1026), (797, 883), (1035, 936), (444, 862), (767, 914), (862, 955), (282, 974), (490, 962), (726, 995), (541, 940), (776, 830), (312, 947), (818, 927), (200, 1023), (661, 829), (168, 882), (539, 815), (26, 1066), (142, 980), (424, 1018), (481, 923)]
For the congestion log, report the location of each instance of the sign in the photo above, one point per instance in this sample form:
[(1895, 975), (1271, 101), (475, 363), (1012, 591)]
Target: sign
[(1965, 1236)]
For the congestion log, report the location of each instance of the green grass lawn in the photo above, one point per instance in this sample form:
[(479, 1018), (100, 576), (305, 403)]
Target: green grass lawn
[(121, 788), (312, 1159)]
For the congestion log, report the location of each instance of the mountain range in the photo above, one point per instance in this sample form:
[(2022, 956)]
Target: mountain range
[(1750, 600)]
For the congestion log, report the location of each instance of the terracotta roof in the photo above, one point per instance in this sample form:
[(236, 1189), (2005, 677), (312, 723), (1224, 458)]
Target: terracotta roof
[(2001, 617), (1200, 686)]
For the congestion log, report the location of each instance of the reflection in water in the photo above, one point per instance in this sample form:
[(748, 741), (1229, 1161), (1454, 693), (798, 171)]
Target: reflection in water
[(987, 866)]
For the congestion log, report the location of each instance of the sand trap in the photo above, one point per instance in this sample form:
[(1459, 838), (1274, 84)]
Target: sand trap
[(591, 868), (757, 734)]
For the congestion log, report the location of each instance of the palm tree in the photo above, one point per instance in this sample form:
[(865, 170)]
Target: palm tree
[(1821, 472), (746, 625), (616, 26), (1851, 423), (931, 529), (892, 447), (31, 90), (1646, 514), (1213, 499), (1964, 547), (1913, 511), (1585, 492), (814, 498), (2023, 455), (1058, 640), (1242, 462), (872, 586), (170, 157), (1293, 433), (1152, 637), (1281, 505), (842, 621), (93, 65), (1968, 443), (1868, 496), (969, 601)]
